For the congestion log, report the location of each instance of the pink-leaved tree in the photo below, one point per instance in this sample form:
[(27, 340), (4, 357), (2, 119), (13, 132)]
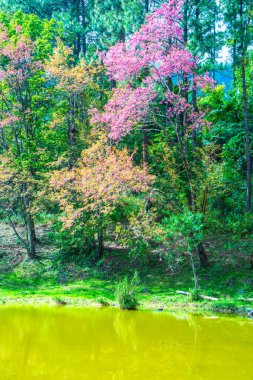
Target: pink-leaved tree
[(92, 191), (157, 83), (154, 69)]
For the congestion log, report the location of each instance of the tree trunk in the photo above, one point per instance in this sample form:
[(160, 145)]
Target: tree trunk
[(112, 84), (213, 58), (83, 21), (243, 48), (195, 107), (247, 141), (31, 237), (146, 6), (202, 255), (100, 249), (144, 145), (72, 130), (185, 23)]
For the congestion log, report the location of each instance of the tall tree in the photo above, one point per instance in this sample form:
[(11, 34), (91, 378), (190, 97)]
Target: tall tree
[(150, 69), (200, 31), (74, 16), (92, 191), (76, 87), (238, 17), (24, 107)]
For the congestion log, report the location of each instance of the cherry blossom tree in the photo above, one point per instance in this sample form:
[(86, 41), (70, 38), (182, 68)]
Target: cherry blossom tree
[(157, 82), (153, 69)]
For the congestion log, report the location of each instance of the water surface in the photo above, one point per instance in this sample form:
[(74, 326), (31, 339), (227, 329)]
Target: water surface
[(60, 343)]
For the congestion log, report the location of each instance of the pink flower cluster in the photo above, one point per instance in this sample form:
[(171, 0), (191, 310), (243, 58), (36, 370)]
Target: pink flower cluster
[(176, 104), (157, 44), (20, 55), (204, 81), (155, 53), (127, 107)]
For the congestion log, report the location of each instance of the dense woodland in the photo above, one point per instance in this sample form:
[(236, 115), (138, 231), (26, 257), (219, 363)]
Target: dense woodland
[(127, 123)]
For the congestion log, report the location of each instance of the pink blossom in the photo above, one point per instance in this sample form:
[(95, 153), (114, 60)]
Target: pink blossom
[(155, 53), (204, 81), (158, 44), (127, 107)]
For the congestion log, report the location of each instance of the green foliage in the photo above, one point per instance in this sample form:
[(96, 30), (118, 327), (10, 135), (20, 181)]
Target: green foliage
[(113, 20), (103, 301), (239, 224), (194, 295), (187, 231), (41, 31), (126, 293), (74, 242), (228, 306), (52, 110), (188, 226), (30, 269)]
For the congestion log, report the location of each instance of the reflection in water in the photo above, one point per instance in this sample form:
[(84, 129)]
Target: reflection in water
[(74, 344)]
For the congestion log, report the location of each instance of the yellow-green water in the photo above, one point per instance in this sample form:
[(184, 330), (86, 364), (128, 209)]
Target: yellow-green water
[(58, 343)]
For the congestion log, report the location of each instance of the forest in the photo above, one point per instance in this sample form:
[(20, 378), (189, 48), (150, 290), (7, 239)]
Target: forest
[(126, 141)]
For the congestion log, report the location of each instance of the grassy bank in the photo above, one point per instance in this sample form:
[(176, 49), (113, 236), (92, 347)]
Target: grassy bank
[(155, 295), (58, 278)]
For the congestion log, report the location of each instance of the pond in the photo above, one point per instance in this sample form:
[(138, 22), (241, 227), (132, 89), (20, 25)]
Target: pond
[(58, 343)]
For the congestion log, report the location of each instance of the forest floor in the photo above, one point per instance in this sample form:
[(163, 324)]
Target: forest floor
[(56, 278)]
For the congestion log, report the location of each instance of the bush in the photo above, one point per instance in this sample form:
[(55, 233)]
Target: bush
[(126, 293), (74, 242), (30, 269), (194, 295), (239, 224)]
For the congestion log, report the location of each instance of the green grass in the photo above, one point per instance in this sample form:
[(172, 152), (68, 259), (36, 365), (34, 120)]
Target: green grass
[(157, 290), (78, 280)]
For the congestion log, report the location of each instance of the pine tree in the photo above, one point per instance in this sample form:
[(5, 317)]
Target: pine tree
[(239, 22)]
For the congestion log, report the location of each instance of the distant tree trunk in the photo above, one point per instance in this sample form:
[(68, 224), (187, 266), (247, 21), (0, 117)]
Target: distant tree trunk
[(197, 36), (247, 141), (26, 200), (185, 22), (100, 248), (195, 107), (112, 84), (31, 237), (234, 59), (29, 223), (202, 255), (146, 6), (203, 259), (243, 48), (213, 57), (144, 145), (83, 22), (72, 130)]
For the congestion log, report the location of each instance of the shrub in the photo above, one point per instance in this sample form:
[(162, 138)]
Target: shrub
[(30, 269), (126, 293), (194, 295)]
